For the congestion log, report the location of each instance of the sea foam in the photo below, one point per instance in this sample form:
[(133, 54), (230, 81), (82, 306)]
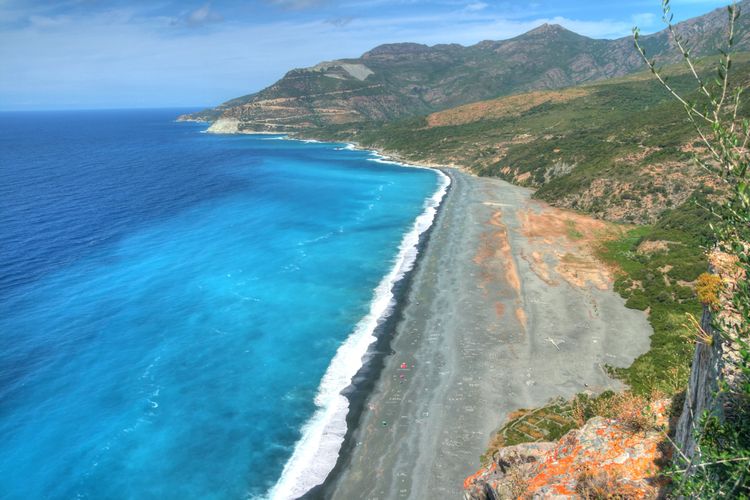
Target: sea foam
[(317, 451)]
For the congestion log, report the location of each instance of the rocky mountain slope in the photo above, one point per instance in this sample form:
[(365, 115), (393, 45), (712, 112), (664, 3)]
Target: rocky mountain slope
[(400, 80)]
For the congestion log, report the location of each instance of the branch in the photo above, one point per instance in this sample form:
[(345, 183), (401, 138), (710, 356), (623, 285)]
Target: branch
[(727, 58), (689, 107), (727, 461), (686, 56)]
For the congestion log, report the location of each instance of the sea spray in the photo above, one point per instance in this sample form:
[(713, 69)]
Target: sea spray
[(317, 451)]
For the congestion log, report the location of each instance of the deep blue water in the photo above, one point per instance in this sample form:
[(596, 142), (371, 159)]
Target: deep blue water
[(169, 300)]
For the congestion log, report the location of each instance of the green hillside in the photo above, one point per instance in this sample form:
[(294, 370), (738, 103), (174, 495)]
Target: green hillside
[(619, 149)]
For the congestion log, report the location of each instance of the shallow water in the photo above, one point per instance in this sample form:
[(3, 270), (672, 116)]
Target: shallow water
[(170, 300)]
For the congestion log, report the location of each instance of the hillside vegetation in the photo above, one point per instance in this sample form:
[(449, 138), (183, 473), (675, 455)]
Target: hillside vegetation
[(620, 149)]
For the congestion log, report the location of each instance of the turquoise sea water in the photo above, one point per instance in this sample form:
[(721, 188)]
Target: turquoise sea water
[(170, 300)]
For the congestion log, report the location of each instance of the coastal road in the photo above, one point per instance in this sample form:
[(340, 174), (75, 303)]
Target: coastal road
[(503, 313)]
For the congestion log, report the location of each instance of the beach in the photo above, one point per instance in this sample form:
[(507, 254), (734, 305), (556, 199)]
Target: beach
[(506, 309)]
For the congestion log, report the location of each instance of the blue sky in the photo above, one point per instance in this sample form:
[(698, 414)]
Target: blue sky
[(75, 54)]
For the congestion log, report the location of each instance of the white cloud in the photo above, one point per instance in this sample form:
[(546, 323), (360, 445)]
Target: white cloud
[(645, 20), (340, 21), (297, 4), (204, 15), (199, 17), (44, 22), (476, 6)]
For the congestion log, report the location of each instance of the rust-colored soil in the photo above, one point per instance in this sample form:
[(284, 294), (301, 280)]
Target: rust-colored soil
[(570, 239), (499, 308), (513, 105), (493, 247), (521, 316)]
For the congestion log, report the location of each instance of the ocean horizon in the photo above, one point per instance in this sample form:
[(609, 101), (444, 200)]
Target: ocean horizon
[(179, 310)]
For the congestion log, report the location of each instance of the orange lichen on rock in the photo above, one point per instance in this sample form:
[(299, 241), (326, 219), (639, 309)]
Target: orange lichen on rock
[(604, 453), (602, 445), (471, 479)]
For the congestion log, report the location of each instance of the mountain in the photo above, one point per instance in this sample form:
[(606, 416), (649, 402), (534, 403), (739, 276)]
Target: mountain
[(396, 81)]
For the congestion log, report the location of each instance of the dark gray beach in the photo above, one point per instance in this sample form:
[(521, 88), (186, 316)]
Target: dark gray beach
[(505, 310)]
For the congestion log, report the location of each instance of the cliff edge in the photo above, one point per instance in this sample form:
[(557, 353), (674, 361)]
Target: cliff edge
[(618, 457)]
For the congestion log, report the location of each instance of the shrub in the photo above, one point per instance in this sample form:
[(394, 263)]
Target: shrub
[(684, 292), (708, 287), (637, 301), (721, 467)]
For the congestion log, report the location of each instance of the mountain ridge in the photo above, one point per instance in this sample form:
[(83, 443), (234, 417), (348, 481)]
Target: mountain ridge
[(400, 80)]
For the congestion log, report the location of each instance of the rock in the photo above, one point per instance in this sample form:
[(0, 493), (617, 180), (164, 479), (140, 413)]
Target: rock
[(224, 126), (604, 456), (501, 478)]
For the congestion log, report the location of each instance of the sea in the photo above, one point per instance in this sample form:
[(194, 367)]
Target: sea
[(180, 311)]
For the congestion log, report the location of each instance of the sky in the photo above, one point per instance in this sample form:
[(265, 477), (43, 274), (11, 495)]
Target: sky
[(90, 54)]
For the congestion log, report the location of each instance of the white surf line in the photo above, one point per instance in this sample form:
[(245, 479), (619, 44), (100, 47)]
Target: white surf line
[(317, 451)]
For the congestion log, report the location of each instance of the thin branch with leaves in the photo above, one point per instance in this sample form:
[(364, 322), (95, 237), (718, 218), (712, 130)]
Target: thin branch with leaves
[(720, 467)]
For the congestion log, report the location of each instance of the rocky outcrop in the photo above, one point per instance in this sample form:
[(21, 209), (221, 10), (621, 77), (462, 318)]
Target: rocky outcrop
[(224, 126), (505, 477), (605, 455)]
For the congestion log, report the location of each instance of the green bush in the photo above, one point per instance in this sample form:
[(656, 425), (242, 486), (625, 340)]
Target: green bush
[(637, 301), (684, 293)]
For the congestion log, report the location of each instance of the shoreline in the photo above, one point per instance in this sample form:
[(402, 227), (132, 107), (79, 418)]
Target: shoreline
[(369, 333), (372, 368)]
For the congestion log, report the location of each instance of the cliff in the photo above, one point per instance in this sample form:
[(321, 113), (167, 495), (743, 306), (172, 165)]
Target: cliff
[(616, 458), (716, 358), (619, 149)]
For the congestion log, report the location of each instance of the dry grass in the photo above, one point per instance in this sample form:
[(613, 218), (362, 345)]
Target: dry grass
[(632, 411), (599, 485), (513, 105), (701, 335)]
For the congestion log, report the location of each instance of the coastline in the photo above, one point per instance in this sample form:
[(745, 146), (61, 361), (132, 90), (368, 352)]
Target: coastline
[(341, 392), (377, 455), (373, 365)]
